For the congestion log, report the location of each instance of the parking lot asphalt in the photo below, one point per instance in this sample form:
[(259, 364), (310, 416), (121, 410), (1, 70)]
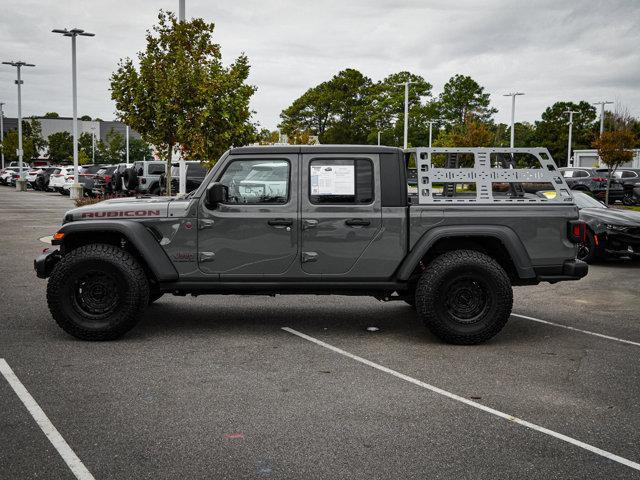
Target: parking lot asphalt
[(213, 387)]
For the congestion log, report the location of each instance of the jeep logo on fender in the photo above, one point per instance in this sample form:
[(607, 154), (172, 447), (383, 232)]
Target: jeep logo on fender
[(122, 213)]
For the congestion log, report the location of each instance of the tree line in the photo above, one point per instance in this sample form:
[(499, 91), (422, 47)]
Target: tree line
[(58, 147), (352, 108)]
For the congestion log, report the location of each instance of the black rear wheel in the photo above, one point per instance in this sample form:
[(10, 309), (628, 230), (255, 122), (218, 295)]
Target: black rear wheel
[(97, 292), (464, 297)]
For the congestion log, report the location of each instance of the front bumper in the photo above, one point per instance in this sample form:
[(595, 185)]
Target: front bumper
[(46, 261)]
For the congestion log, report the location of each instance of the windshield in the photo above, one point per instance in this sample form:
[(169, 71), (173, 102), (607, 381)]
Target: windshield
[(585, 201)]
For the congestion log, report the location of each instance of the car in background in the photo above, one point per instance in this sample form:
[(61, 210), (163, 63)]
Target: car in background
[(610, 232), (44, 177), (629, 178), (5, 175), (31, 176), (102, 179), (58, 179), (86, 174), (195, 176), (144, 177), (589, 180)]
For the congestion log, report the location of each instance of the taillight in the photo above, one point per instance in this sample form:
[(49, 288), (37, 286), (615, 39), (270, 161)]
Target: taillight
[(599, 179), (577, 231)]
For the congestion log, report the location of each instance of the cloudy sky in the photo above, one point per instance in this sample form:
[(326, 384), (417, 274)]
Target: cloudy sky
[(550, 49)]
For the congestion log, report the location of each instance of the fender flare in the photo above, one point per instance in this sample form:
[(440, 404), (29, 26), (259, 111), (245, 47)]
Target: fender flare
[(507, 237), (135, 232)]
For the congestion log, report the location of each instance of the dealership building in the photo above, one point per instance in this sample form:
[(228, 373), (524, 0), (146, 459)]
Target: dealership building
[(590, 159)]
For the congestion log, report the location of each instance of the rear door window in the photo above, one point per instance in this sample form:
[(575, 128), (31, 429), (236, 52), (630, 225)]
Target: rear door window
[(338, 181)]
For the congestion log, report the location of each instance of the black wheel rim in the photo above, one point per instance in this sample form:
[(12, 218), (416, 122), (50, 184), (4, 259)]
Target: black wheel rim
[(96, 294), (466, 299), (584, 249)]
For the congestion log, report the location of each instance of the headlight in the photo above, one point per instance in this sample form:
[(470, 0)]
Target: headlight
[(617, 228)]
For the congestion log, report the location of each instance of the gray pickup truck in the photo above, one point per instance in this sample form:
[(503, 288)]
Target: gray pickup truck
[(327, 219)]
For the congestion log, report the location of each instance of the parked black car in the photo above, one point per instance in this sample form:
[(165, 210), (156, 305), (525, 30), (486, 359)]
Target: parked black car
[(195, 176), (629, 178), (610, 231), (43, 177), (589, 180), (102, 180)]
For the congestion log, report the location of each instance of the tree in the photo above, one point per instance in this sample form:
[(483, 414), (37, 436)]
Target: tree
[(60, 146), (387, 109), (51, 115), (614, 150), (85, 118), (32, 141), (112, 151), (463, 96), (181, 93), (552, 130), (337, 111), (268, 137), (85, 144), (472, 133), (139, 150)]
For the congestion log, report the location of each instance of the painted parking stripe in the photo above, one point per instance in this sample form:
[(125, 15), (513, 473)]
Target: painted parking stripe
[(595, 334), (59, 443), (471, 403)]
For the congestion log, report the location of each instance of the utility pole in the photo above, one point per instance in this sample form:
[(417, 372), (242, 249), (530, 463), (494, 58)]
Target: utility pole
[(76, 189), (182, 175), (602, 104), (2, 131), (513, 113), (21, 183), (570, 112)]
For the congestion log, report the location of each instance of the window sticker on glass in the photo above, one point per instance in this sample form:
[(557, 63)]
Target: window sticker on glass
[(332, 180)]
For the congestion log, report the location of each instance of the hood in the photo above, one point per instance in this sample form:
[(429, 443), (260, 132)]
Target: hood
[(125, 207), (612, 216)]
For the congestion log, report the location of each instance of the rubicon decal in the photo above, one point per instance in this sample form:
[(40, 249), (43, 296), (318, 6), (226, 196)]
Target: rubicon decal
[(121, 213)]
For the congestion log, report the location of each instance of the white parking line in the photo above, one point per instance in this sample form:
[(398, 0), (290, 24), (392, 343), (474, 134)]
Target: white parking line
[(59, 443), (595, 334), (471, 403)]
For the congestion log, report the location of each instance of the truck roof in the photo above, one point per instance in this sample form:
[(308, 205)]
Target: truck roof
[(257, 149)]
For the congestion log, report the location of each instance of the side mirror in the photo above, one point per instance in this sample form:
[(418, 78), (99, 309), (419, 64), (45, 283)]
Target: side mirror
[(217, 193)]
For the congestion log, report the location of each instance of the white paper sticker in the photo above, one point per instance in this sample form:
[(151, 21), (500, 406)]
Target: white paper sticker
[(332, 180)]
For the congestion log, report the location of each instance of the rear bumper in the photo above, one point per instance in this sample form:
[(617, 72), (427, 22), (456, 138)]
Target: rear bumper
[(570, 270)]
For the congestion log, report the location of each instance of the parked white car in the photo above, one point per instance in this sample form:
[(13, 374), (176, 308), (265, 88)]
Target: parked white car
[(31, 177), (57, 180)]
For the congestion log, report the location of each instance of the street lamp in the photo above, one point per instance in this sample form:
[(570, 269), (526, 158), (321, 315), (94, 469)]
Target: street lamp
[(570, 112), (602, 104), (406, 111), (431, 122), (2, 132), (21, 183), (76, 188), (93, 144), (182, 172), (513, 112)]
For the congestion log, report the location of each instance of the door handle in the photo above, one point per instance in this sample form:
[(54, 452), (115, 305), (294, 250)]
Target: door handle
[(280, 222), (357, 222)]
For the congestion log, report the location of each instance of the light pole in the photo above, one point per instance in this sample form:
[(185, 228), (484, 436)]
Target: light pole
[(93, 145), (378, 136), (76, 188), (570, 112), (406, 111), (21, 183), (127, 142), (602, 104), (182, 172), (513, 113), (2, 131)]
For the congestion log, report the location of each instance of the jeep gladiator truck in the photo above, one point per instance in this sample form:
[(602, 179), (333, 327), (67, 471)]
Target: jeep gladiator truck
[(326, 219)]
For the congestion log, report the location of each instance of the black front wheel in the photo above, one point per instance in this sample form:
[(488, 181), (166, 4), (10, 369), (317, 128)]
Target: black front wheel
[(587, 248), (97, 292), (464, 297)]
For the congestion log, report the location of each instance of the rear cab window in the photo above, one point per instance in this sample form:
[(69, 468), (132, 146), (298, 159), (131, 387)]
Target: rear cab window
[(341, 181)]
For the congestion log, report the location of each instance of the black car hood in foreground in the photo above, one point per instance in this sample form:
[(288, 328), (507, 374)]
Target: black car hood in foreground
[(612, 216)]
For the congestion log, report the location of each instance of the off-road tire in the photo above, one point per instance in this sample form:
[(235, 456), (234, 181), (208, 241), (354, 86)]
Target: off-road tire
[(69, 303), (461, 278)]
